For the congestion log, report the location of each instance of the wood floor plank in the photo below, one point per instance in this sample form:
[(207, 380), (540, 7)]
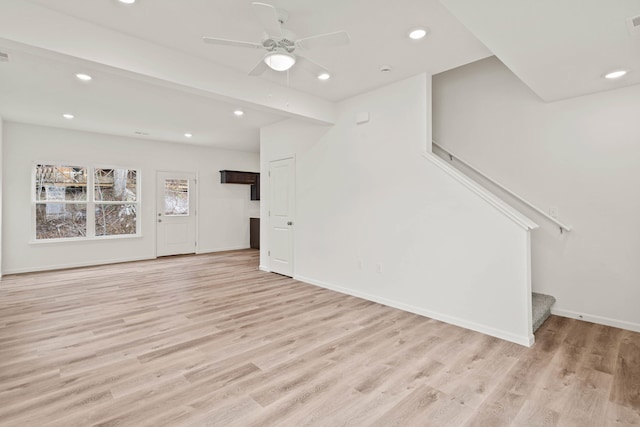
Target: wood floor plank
[(498, 412), (210, 340), (626, 381), (425, 406), (534, 414), (619, 416)]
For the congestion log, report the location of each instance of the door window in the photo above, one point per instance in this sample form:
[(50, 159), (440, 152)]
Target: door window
[(176, 197)]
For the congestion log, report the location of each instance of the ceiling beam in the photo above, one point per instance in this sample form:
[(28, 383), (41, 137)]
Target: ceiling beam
[(31, 25)]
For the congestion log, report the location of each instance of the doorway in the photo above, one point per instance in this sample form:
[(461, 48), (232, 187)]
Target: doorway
[(176, 213), (281, 215)]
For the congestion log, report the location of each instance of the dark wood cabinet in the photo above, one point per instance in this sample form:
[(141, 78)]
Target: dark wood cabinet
[(239, 177), (255, 189), (254, 233)]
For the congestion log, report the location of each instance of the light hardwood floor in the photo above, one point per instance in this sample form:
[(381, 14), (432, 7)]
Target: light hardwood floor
[(210, 340)]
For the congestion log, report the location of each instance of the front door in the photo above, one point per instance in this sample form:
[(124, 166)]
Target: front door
[(176, 213), (281, 208)]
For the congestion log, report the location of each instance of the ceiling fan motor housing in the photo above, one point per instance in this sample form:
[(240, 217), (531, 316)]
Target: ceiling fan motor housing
[(286, 42)]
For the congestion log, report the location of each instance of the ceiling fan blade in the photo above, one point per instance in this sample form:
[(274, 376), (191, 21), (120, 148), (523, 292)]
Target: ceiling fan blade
[(268, 16), (310, 66), (339, 38), (260, 68), (236, 43)]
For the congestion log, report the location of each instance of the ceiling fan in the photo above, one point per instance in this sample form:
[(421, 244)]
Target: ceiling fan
[(281, 45)]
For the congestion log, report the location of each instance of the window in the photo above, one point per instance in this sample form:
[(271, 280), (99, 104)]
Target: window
[(65, 209), (176, 197), (115, 197), (61, 202)]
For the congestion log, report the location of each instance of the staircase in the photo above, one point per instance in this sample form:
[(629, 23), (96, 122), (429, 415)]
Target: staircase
[(541, 303), (541, 309)]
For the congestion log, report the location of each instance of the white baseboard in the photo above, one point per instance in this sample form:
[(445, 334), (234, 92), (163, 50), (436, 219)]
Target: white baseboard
[(74, 265), (265, 269), (230, 248), (507, 336), (110, 261), (622, 324)]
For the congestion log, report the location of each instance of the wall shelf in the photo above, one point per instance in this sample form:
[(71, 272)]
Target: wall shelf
[(239, 177)]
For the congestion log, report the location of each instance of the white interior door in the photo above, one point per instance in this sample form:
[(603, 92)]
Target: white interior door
[(281, 208), (176, 213)]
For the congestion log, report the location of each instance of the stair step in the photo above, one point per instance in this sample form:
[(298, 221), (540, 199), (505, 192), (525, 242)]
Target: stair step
[(541, 308)]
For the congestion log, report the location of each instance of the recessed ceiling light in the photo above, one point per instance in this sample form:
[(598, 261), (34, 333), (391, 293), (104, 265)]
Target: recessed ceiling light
[(68, 116), (239, 113), (417, 33), (84, 77), (127, 1), (188, 135), (615, 74), (324, 76)]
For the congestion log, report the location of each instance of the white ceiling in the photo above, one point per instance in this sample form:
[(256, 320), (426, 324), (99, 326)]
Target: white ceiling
[(153, 74), (559, 48), (39, 89), (145, 59), (378, 30)]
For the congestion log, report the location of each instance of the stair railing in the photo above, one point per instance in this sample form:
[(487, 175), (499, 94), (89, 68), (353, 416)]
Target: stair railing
[(563, 227)]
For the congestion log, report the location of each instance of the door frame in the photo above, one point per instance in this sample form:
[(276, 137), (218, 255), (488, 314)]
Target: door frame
[(293, 238), (155, 209)]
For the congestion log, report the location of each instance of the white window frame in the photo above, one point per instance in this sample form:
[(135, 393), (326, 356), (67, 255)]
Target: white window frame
[(90, 204)]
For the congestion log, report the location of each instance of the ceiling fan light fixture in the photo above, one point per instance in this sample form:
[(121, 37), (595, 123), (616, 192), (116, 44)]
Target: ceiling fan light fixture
[(279, 61)]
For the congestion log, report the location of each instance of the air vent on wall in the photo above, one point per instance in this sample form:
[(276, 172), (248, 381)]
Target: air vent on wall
[(633, 24), (4, 57)]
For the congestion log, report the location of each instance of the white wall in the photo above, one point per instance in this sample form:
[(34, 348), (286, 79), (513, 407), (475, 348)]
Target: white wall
[(579, 155), (1, 175), (223, 211), (375, 219)]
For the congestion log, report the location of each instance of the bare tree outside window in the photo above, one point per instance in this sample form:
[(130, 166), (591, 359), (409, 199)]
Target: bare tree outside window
[(62, 202), (114, 190), (176, 197)]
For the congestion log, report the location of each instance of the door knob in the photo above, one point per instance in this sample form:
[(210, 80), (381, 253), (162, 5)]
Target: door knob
[(159, 220)]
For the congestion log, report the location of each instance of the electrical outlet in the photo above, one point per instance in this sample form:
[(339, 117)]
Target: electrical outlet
[(553, 212)]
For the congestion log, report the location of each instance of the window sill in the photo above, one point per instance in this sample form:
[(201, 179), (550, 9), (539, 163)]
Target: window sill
[(83, 239)]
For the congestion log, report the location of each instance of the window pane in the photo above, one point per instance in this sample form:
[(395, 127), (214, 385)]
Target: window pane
[(60, 220), (54, 182), (113, 220), (176, 197), (115, 185)]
